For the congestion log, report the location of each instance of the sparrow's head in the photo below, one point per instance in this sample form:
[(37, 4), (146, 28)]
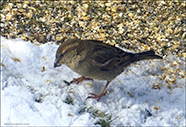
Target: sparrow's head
[(65, 51), (59, 57)]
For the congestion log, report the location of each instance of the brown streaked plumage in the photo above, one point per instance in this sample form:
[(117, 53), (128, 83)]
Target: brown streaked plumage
[(97, 60)]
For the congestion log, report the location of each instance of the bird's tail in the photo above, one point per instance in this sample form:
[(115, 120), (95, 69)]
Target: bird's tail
[(146, 55)]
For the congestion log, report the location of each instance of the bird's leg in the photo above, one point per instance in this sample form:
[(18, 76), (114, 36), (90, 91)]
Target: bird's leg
[(80, 79), (98, 97)]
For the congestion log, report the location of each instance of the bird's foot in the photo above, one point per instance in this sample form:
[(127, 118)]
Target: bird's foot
[(80, 79), (98, 97), (95, 96)]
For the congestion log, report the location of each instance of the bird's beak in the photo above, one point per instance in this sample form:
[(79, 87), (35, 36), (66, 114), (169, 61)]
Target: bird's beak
[(57, 63)]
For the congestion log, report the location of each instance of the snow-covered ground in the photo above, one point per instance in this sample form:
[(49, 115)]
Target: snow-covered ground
[(33, 92)]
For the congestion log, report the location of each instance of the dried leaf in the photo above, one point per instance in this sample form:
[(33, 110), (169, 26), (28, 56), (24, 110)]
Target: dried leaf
[(43, 68), (156, 107), (16, 59), (3, 65), (130, 94), (70, 114), (48, 81)]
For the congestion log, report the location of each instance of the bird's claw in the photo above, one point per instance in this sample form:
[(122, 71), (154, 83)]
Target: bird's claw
[(80, 79), (95, 96)]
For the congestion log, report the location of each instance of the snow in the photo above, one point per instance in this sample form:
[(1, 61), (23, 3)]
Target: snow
[(33, 96)]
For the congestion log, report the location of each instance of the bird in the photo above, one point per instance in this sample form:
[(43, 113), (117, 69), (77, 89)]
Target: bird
[(93, 59)]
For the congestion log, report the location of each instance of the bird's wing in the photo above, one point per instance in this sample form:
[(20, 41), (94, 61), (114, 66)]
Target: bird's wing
[(106, 59)]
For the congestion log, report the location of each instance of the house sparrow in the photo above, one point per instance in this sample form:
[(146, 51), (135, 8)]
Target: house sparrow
[(97, 60)]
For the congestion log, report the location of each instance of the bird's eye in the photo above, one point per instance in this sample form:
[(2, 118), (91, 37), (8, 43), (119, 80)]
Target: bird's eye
[(61, 55)]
